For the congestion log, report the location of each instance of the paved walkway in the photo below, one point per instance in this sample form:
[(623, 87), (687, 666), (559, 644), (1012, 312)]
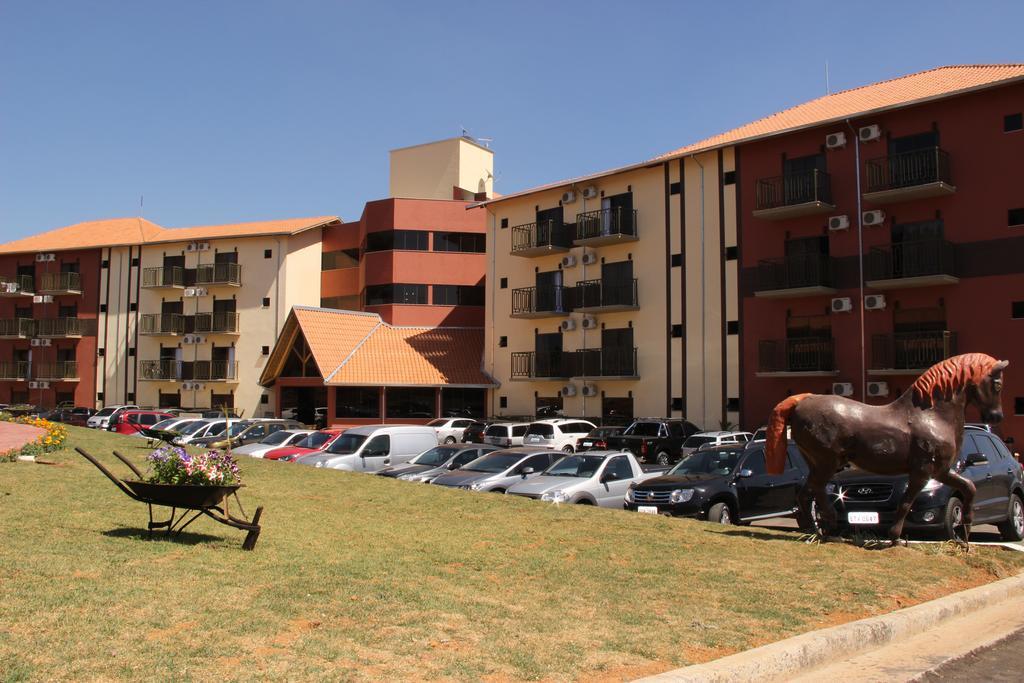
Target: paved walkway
[(13, 436)]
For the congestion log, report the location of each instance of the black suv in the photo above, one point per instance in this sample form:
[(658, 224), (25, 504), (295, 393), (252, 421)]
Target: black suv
[(727, 484), (871, 500), (653, 440)]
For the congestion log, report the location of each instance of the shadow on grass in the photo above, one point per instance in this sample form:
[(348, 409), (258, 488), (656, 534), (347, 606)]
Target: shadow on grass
[(185, 538), (868, 543)]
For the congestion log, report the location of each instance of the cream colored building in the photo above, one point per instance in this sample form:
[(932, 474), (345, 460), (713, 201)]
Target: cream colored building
[(615, 295), (456, 168)]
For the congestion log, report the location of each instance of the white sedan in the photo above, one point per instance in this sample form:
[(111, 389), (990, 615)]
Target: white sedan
[(279, 439), (449, 429)]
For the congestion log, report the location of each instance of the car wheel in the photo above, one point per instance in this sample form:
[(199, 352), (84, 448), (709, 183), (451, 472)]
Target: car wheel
[(720, 514), (953, 518), (583, 501), (567, 449), (450, 440), (663, 457), (497, 491), (1013, 528)]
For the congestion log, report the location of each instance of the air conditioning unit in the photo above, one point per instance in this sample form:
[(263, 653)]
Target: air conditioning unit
[(40, 342), (589, 258), (45, 258), (869, 133), (842, 304), (835, 140), (568, 325), (874, 217), (874, 302), (568, 261), (589, 390), (195, 291), (201, 291), (568, 197), (589, 322), (42, 385), (590, 192), (838, 223), (198, 246), (33, 385), (569, 390), (187, 339), (198, 339), (842, 388), (878, 388), (42, 299)]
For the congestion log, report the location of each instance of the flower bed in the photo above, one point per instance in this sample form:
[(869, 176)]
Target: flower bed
[(175, 465), (56, 434)]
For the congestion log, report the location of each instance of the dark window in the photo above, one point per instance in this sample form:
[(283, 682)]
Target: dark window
[(104, 264), (344, 303), (131, 352), (99, 396), (103, 308), (984, 445), (100, 351), (226, 257), (503, 401), (343, 258), (673, 188), (732, 327), (677, 331), (548, 406), (504, 223), (266, 302), (1013, 122), (458, 295), (620, 467), (732, 253), (539, 462), (677, 260), (135, 263), (357, 402), (378, 445), (133, 306), (1017, 309), (378, 295), (617, 410), (131, 397), (265, 350), (729, 178), (1015, 217), (267, 253), (1018, 405), (732, 405), (464, 242), (503, 283), (755, 462), (404, 240), (169, 400), (677, 403), (502, 341), (469, 402), (410, 402), (265, 399)]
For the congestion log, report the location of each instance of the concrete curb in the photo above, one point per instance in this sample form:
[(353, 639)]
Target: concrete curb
[(800, 653)]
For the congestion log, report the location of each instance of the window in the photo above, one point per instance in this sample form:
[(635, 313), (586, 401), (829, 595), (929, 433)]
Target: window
[(1013, 122), (266, 302), (103, 308), (470, 402), (402, 240), (268, 253), (378, 446), (410, 402), (984, 445), (729, 178), (458, 295), (732, 253), (620, 467), (264, 399), (171, 400), (539, 462), (336, 260), (732, 327), (503, 342), (265, 350), (677, 260), (755, 462), (357, 402), (1015, 217), (1017, 310), (464, 242), (99, 397), (1018, 405), (133, 307), (503, 283), (677, 331), (617, 410), (677, 403), (379, 295), (344, 303), (503, 401), (673, 188), (548, 406), (732, 405), (504, 223)]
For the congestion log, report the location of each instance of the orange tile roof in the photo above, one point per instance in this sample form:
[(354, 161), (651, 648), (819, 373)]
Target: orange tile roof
[(333, 335), (290, 226), (916, 88)]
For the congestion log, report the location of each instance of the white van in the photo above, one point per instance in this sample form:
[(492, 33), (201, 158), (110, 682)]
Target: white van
[(372, 447)]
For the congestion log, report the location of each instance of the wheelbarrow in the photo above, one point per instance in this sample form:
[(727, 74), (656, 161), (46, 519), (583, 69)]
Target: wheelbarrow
[(188, 498)]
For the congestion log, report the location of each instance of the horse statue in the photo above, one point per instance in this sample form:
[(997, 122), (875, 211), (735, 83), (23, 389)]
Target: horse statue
[(918, 434)]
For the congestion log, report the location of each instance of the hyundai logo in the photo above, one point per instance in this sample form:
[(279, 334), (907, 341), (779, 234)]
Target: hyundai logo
[(650, 494), (865, 490)]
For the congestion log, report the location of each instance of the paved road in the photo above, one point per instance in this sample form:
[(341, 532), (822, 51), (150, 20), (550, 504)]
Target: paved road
[(1001, 662)]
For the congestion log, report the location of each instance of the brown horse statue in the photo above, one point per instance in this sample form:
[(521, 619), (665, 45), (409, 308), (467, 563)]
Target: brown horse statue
[(918, 434)]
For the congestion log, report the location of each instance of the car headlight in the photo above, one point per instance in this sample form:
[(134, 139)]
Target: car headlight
[(681, 495), (407, 477), (629, 494), (476, 486), (931, 485), (556, 496), (319, 463)]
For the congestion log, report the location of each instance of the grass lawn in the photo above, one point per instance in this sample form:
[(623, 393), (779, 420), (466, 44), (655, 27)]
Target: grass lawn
[(357, 577)]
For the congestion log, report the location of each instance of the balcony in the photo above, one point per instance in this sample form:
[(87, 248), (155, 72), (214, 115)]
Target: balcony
[(604, 363), (18, 328), (165, 325), (170, 370), (215, 371), (65, 328), (598, 296), (540, 239), (17, 286), (531, 365), (540, 302), (60, 283), (795, 194), (802, 357), (224, 322), (171, 277), (213, 274), (910, 353), (16, 371), (795, 276), (911, 175), (606, 226), (922, 263), (61, 371)]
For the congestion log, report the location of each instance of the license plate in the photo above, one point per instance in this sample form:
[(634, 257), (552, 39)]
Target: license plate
[(587, 444), (862, 517), (647, 509)]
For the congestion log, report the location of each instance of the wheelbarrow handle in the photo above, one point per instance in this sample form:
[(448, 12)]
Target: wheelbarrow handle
[(131, 466), (108, 473)]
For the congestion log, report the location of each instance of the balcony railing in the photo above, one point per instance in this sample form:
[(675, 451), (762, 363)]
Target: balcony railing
[(600, 295), (14, 370), (605, 226), (536, 239), (56, 372), (911, 351), (165, 370), (224, 322), (910, 175), (18, 285), (171, 276), (812, 354), (540, 365), (538, 302), (604, 362), (215, 370), (904, 264), (793, 194), (17, 328), (65, 327), (795, 275), (169, 324), (60, 283), (219, 274)]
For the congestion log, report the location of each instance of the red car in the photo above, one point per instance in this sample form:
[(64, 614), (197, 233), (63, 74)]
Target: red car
[(317, 441), (134, 421)]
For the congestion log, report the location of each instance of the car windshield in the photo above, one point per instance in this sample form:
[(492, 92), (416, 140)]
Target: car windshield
[(105, 412), (540, 429), (277, 438), (758, 435), (708, 462), (697, 441), (347, 443), (164, 424), (494, 462), (435, 456), (437, 423), (193, 428), (583, 466), (236, 428), (643, 429), (315, 440)]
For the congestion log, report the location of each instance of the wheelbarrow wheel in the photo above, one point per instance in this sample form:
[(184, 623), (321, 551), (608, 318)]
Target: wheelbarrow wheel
[(254, 533)]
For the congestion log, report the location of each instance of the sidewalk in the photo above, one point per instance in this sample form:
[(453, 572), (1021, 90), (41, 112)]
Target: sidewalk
[(14, 436)]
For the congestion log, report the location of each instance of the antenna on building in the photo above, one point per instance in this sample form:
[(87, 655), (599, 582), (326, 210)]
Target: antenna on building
[(828, 91), (486, 142), (141, 204)]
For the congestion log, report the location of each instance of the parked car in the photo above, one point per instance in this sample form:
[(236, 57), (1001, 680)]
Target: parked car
[(727, 484), (253, 431), (370, 448), (312, 443), (174, 424), (275, 439), (560, 434), (474, 433), (506, 434), (592, 478), (76, 416), (868, 500), (498, 470), (597, 439), (449, 429), (135, 421), (430, 464), (205, 428), (711, 439), (102, 418), (654, 440), (214, 414)]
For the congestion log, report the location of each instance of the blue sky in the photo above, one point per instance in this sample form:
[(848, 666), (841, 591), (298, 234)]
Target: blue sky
[(224, 111)]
